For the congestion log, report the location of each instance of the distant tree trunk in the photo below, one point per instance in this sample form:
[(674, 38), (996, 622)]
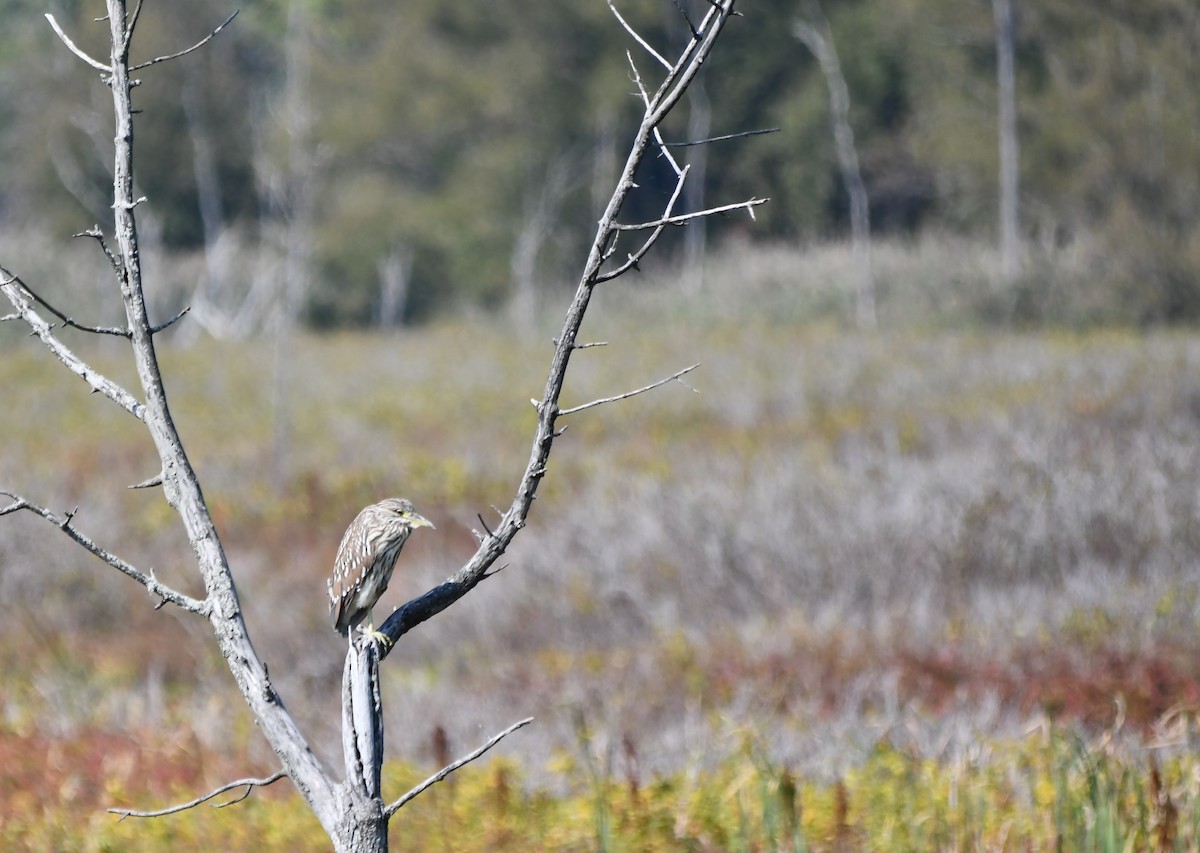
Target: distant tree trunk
[(395, 270), (818, 38), (541, 210), (604, 156), (1010, 248), (212, 288), (695, 236), (298, 202)]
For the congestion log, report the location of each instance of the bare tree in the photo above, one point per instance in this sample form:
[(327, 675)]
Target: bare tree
[(353, 811), (1006, 88), (395, 269), (818, 38), (542, 206)]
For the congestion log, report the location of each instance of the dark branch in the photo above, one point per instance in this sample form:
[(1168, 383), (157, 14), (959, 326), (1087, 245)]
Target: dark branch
[(154, 330), (687, 20), (722, 138), (67, 321), (248, 784)]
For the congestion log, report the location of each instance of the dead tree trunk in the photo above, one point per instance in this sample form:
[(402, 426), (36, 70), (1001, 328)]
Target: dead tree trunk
[(818, 38), (1006, 88), (354, 811)]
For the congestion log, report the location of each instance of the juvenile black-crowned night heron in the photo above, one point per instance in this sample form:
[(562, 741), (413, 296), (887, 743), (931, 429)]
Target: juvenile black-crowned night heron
[(365, 561)]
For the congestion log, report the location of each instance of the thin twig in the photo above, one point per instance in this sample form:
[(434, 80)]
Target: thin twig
[(63, 523), (154, 330), (20, 296), (686, 19), (683, 218), (723, 138), (450, 768), (186, 51), (150, 483), (636, 37), (96, 234), (249, 785), (637, 79), (629, 394), (58, 31), (133, 22), (632, 260), (67, 321)]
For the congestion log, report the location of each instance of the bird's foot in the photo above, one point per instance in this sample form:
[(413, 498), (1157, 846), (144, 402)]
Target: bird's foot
[(379, 637)]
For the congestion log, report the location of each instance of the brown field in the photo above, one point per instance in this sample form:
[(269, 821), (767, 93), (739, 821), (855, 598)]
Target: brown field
[(825, 544)]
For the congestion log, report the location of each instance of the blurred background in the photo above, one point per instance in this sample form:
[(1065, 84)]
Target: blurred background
[(934, 484)]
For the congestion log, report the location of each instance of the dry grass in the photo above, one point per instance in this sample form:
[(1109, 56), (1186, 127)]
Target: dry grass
[(920, 539)]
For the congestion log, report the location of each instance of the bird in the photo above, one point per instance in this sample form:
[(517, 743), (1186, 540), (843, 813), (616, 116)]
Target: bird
[(365, 560)]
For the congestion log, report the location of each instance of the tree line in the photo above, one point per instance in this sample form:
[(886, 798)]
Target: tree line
[(413, 158)]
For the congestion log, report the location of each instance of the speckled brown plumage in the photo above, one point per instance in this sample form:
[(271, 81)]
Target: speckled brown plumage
[(366, 558)]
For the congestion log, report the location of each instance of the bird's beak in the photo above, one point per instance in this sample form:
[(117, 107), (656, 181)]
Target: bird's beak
[(417, 520)]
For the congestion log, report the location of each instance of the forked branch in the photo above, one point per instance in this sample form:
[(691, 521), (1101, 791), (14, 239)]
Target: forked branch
[(248, 784), (146, 579), (22, 299), (656, 107)]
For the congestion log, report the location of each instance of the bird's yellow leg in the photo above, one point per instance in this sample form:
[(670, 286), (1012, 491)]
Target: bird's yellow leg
[(378, 636)]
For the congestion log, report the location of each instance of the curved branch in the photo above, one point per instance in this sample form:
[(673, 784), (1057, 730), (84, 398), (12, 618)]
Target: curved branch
[(20, 296), (151, 583), (67, 321), (493, 546), (185, 51), (71, 46), (450, 768), (628, 394), (249, 784)]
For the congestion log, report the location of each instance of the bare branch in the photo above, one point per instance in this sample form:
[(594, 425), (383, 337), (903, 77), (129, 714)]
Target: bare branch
[(450, 768), (513, 520), (133, 22), (637, 79), (96, 234), (629, 394), (63, 523), (67, 321), (636, 37), (150, 483), (686, 19), (249, 784), (184, 52), (58, 31), (20, 296), (684, 218), (722, 138), (632, 260), (154, 330)]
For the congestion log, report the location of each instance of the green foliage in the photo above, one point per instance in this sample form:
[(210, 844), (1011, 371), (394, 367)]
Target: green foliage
[(434, 127)]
